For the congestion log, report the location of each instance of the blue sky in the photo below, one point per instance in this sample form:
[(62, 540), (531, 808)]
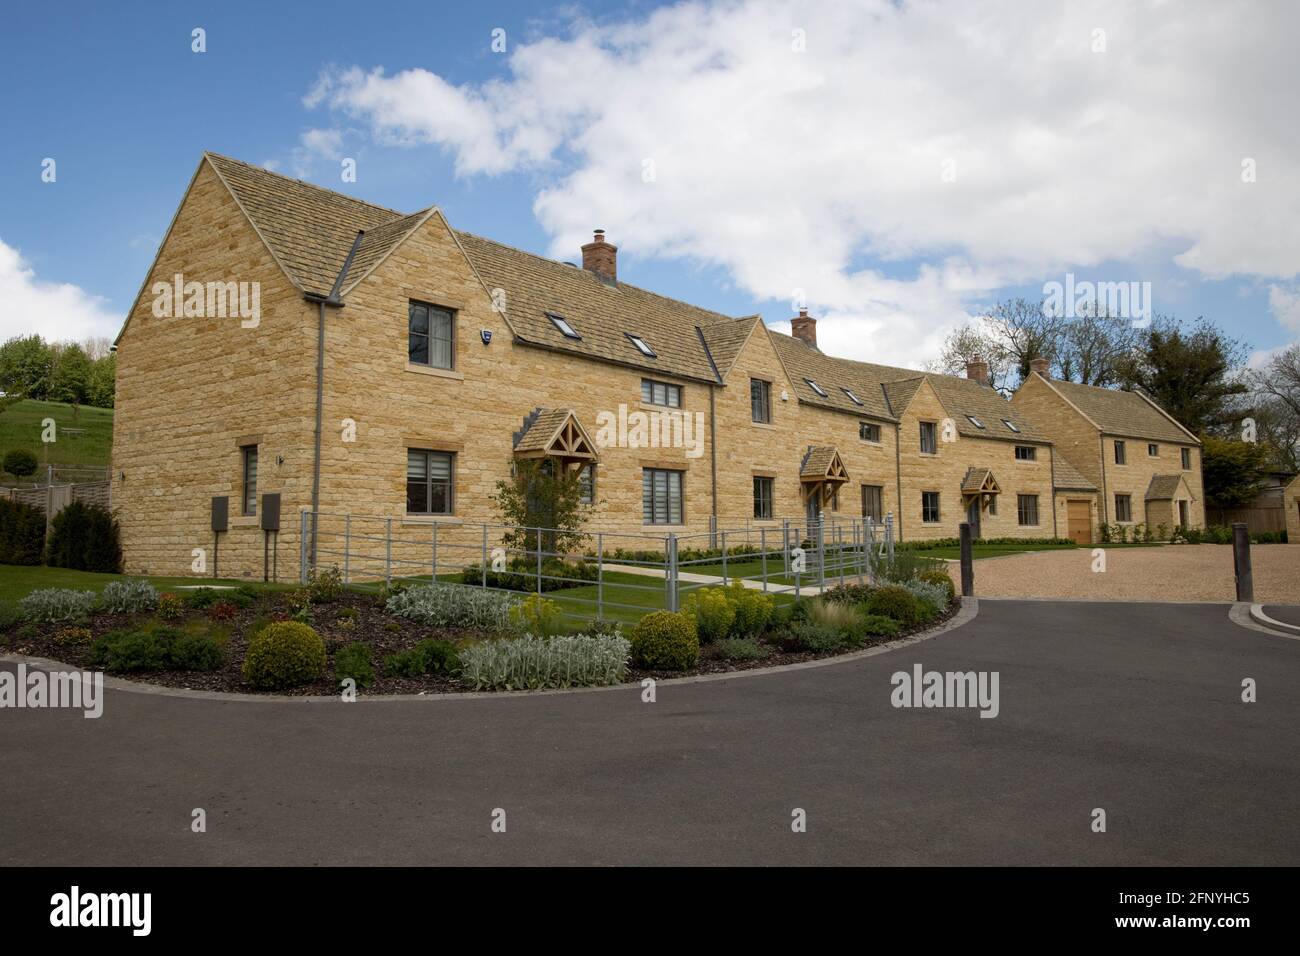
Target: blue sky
[(779, 172)]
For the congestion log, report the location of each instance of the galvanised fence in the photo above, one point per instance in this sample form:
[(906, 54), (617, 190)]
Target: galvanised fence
[(609, 574)]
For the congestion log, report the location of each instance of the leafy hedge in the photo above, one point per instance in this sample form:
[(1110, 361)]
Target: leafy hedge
[(85, 537), (22, 533), (521, 575)]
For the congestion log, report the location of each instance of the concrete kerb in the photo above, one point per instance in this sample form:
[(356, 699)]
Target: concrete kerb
[(967, 613), (1259, 620)]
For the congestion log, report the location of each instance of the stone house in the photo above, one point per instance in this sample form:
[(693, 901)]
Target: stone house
[(1145, 468), (385, 371)]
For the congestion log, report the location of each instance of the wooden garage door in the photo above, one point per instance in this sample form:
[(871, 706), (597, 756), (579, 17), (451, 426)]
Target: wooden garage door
[(1079, 522)]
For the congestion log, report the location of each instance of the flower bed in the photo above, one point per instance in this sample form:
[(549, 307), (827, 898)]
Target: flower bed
[(447, 638)]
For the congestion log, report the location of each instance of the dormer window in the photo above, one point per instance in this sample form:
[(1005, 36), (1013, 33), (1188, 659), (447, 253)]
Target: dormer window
[(1011, 425), (852, 398), (561, 323), (975, 421), (816, 388), (641, 346)]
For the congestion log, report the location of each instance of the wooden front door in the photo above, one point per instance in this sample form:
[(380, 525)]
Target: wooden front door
[(973, 516), (1079, 521)]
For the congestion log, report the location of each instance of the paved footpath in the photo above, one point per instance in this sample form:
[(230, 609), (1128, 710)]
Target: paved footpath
[(1128, 707)]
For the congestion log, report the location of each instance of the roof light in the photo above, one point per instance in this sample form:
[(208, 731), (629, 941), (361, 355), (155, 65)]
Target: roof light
[(1010, 425), (563, 325), (640, 343), (853, 398), (816, 388), (975, 421)]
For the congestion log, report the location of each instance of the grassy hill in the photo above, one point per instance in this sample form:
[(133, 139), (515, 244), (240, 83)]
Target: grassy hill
[(20, 427)]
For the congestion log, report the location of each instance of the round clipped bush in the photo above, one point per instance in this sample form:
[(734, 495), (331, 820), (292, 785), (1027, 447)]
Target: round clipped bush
[(284, 654), (665, 640), (713, 614), (896, 602), (753, 609), (942, 579)]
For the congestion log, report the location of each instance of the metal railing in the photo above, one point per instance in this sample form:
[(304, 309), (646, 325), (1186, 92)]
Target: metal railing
[(609, 572)]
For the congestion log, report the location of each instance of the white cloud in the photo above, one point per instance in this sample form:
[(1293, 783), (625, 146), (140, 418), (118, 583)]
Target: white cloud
[(57, 311), (1284, 303), (790, 170)]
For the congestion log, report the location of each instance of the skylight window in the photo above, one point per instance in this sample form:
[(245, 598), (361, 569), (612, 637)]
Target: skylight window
[(816, 388), (641, 346), (1010, 424), (563, 325), (852, 398), (975, 421)]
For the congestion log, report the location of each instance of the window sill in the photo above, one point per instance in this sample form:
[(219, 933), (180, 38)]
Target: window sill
[(432, 519), (435, 372), (652, 407), (761, 424), (663, 527), (873, 444)]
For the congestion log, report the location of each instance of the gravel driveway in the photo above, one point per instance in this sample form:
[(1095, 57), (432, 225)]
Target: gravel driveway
[(1185, 572)]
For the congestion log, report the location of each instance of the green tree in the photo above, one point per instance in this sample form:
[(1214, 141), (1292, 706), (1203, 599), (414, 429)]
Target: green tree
[(1192, 373), (70, 380), (103, 381), (26, 367), (1233, 471), (539, 495), (20, 463)]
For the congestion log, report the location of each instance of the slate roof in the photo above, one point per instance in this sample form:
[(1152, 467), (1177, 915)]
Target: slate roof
[(1119, 412), (1163, 487), (1069, 478)]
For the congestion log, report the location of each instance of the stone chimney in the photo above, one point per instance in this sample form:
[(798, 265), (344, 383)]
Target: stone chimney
[(804, 326), (1041, 366), (600, 257), (977, 370)]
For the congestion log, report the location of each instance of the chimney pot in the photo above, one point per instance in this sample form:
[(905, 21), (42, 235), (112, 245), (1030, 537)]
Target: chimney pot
[(803, 326), (977, 369), (1040, 365), (600, 257)]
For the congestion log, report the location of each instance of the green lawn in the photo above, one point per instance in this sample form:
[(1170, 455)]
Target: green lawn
[(17, 581), (21, 427)]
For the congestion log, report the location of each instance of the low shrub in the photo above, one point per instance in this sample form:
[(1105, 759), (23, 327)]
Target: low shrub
[(665, 640), (198, 649), (753, 609), (834, 615), (538, 662), (894, 602), (222, 610), (202, 597), (520, 574), (404, 664), (876, 625), (325, 585), (22, 533), (944, 580), (712, 612), (345, 614), (84, 537), (1268, 537), (128, 597), (599, 627), (537, 616), (49, 605), (905, 566), (392, 627), (138, 649), (452, 605), (10, 616), (73, 635), (742, 649), (932, 598), (440, 657), (284, 654), (353, 661), (170, 607), (819, 638)]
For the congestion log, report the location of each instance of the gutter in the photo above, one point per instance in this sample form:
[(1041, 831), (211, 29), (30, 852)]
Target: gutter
[(331, 300), (898, 474)]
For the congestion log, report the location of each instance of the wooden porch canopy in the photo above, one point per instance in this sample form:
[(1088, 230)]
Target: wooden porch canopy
[(554, 433), (979, 482), (822, 472)]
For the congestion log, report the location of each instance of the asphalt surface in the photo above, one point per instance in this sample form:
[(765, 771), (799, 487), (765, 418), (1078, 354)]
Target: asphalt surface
[(1131, 708), (1286, 613)]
